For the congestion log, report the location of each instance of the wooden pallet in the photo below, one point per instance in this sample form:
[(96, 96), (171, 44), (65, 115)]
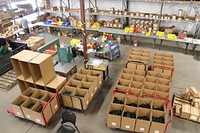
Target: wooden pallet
[(7, 80)]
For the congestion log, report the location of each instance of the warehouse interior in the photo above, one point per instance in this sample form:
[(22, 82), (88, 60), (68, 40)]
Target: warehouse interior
[(180, 74)]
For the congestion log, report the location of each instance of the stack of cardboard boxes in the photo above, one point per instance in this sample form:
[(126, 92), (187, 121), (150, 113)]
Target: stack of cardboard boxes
[(136, 105), (81, 88), (35, 42), (187, 106)]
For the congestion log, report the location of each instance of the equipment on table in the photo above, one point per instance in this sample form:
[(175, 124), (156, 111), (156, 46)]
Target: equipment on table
[(65, 53), (68, 117)]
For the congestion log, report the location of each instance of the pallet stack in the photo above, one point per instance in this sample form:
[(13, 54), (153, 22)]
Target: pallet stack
[(81, 88), (138, 103)]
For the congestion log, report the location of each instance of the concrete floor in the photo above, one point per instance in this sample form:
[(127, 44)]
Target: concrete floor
[(187, 74)]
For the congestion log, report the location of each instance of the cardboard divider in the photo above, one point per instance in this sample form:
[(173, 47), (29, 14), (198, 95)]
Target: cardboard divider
[(135, 50), (78, 76), (127, 71), (46, 97), (133, 57), (146, 92), (114, 115), (132, 101), (132, 65), (90, 87), (128, 118), (168, 63), (99, 75), (168, 69), (72, 83), (151, 79), (145, 51), (158, 54), (159, 122), (163, 88), (126, 76), (22, 85), (143, 58), (134, 53), (159, 105), (16, 105), (56, 84), (156, 61), (168, 55), (138, 78), (145, 54), (139, 72), (29, 92), (118, 98), (163, 81), (136, 85), (165, 76), (160, 70), (134, 92), (157, 57), (84, 96), (93, 80), (83, 71), (149, 86), (39, 94), (66, 93), (168, 59), (141, 124), (40, 87), (141, 67), (162, 94), (37, 113), (27, 108), (120, 89), (145, 103), (153, 74), (123, 82)]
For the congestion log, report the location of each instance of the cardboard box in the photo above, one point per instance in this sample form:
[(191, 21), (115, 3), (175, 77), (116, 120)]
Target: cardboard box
[(72, 83), (22, 85), (40, 118), (146, 101), (165, 76), (178, 110), (134, 92), (194, 92), (90, 87), (163, 88), (132, 65), (47, 97), (120, 89), (151, 79), (56, 84), (29, 92), (141, 67), (194, 114), (136, 85), (114, 121), (23, 62), (42, 69), (131, 100), (27, 107), (138, 78), (126, 76), (16, 105), (118, 98), (163, 81), (39, 94), (99, 75), (127, 71), (78, 76), (139, 72), (54, 103), (185, 111), (83, 71), (77, 100), (123, 82), (41, 87), (157, 127), (143, 125), (159, 105), (28, 85), (162, 94), (153, 74), (66, 93), (128, 124), (149, 86), (91, 79), (35, 42), (15, 62)]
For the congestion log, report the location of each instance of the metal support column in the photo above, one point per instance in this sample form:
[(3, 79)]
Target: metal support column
[(161, 10), (82, 8)]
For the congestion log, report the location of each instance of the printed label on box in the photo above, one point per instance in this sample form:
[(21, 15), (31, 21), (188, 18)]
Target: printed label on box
[(18, 113), (114, 124), (127, 126), (156, 131), (56, 106), (28, 116), (141, 129), (193, 118)]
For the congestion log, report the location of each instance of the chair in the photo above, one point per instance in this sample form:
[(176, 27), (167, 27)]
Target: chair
[(68, 117)]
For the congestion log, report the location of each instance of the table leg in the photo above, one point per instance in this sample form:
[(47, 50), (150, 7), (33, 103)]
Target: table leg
[(161, 41), (186, 48), (193, 49)]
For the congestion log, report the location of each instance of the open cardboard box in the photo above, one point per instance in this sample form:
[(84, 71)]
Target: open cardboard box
[(163, 81), (83, 71), (148, 92), (147, 101), (151, 79), (163, 88), (72, 83), (99, 75), (159, 105), (134, 92), (157, 127), (136, 85), (42, 69), (22, 85), (66, 93), (37, 112), (127, 123), (29, 92), (114, 121), (162, 94), (15, 63), (123, 82), (165, 76), (131, 100), (127, 71), (149, 86), (120, 89), (56, 84), (77, 100), (16, 105), (126, 76), (132, 65), (138, 78), (139, 72), (91, 79), (143, 125), (27, 108), (153, 73), (89, 86), (194, 114), (39, 94), (78, 76), (119, 97)]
